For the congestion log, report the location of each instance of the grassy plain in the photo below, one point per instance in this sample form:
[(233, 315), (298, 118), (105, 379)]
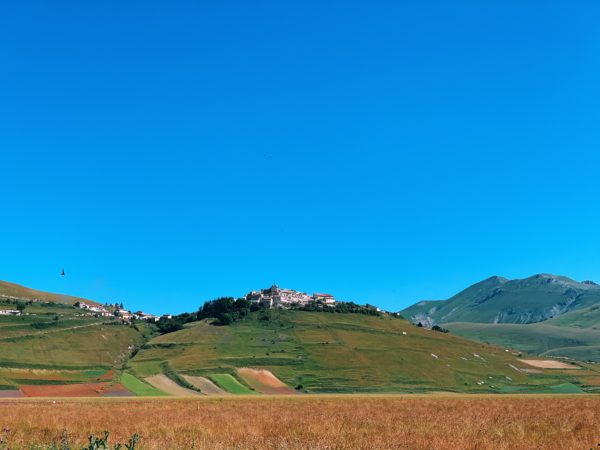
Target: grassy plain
[(315, 422)]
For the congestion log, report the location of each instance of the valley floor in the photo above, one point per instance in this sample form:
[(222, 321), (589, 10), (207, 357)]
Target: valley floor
[(311, 421)]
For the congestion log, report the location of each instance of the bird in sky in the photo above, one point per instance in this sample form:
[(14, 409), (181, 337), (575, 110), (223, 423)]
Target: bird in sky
[(63, 273)]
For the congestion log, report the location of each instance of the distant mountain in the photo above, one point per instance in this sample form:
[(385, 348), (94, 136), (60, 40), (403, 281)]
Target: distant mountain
[(523, 301), (16, 291)]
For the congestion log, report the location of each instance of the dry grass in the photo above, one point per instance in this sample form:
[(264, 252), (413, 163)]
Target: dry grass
[(549, 364), (316, 422)]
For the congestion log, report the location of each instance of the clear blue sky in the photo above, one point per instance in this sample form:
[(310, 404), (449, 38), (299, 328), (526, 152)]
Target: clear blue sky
[(165, 153)]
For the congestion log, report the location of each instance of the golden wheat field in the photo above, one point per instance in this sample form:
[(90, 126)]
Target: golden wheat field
[(311, 422)]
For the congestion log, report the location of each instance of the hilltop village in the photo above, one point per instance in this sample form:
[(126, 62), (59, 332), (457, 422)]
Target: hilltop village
[(273, 297), (276, 297)]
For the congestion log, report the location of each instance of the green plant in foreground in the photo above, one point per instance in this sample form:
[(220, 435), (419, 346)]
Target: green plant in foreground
[(101, 443), (94, 442)]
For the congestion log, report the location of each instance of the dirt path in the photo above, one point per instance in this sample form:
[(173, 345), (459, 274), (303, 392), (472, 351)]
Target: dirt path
[(165, 384), (205, 385), (549, 364), (265, 382)]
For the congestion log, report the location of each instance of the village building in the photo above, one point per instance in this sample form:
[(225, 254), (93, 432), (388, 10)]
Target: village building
[(10, 312), (145, 317), (326, 299)]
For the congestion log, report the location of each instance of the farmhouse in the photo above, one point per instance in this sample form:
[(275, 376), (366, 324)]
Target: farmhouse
[(9, 312)]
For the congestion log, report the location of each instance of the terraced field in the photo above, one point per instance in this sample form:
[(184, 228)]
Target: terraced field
[(230, 384), (323, 352), (54, 349), (139, 387)]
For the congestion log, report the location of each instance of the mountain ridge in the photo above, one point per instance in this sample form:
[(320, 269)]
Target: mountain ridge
[(500, 300)]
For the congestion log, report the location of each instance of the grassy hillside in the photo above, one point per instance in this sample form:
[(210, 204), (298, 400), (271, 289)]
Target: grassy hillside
[(580, 318), (498, 300), (54, 343), (538, 339), (16, 291), (324, 352)]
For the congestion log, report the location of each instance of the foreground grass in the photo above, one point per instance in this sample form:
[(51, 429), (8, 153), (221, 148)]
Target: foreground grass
[(315, 422)]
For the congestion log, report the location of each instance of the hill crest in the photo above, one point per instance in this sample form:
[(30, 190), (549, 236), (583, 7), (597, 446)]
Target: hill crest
[(17, 292)]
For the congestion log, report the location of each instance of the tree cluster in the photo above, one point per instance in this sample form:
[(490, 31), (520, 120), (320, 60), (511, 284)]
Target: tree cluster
[(340, 307), (226, 310)]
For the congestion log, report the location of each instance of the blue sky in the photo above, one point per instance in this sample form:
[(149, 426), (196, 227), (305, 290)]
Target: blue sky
[(166, 153)]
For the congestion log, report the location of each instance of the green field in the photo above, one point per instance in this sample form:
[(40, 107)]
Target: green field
[(139, 387), (230, 384), (88, 346), (325, 352)]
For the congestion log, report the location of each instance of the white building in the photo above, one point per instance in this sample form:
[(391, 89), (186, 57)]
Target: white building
[(9, 312), (326, 299)]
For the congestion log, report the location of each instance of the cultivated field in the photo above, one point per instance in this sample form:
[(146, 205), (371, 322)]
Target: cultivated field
[(549, 364), (348, 353), (315, 422)]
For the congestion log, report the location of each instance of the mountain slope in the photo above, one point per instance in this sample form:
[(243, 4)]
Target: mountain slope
[(324, 352), (498, 300), (542, 338), (16, 291)]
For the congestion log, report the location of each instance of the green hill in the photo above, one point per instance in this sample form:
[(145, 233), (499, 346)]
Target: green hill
[(498, 300), (54, 343), (326, 352), (18, 292)]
